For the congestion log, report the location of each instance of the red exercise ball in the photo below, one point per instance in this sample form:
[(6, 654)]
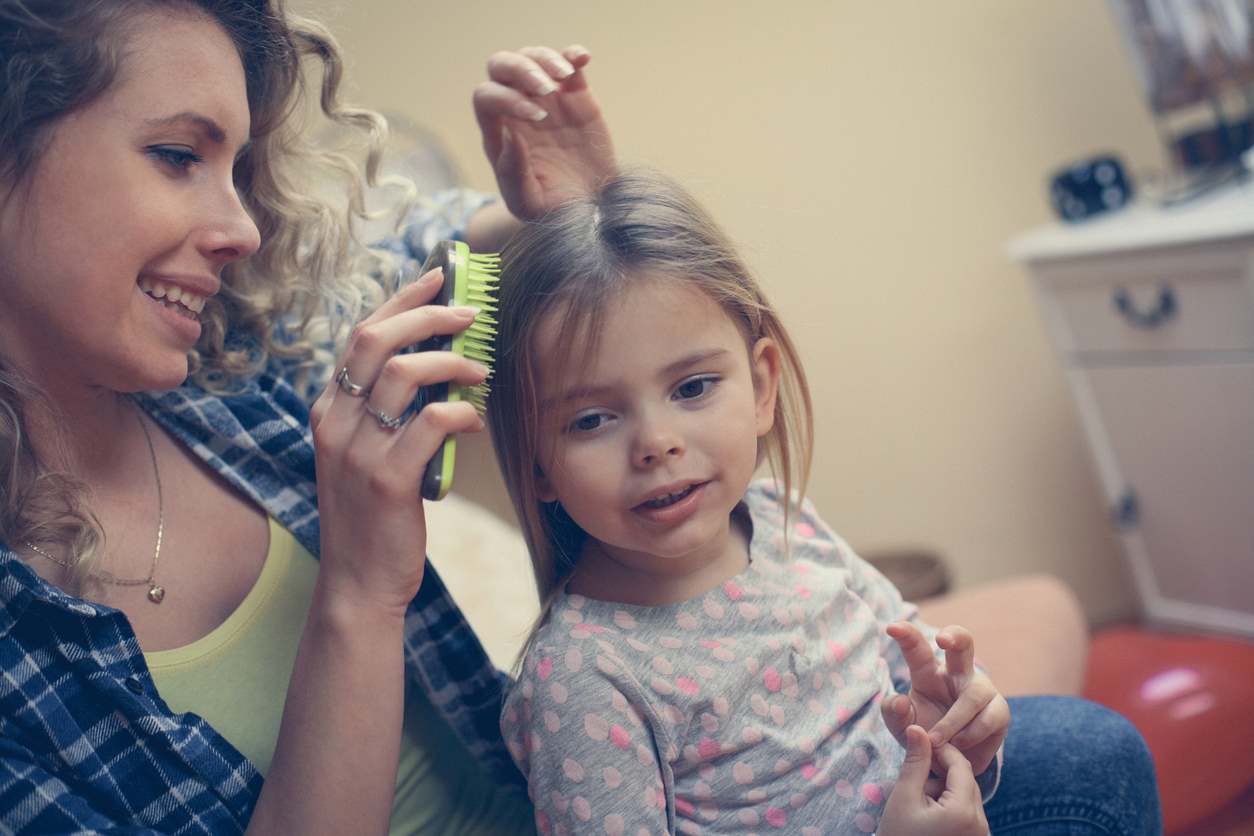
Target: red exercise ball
[(1191, 696)]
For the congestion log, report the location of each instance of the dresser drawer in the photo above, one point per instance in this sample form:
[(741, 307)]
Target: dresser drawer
[(1199, 299)]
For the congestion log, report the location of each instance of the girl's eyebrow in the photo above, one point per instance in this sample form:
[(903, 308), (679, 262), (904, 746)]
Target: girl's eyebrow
[(575, 393)]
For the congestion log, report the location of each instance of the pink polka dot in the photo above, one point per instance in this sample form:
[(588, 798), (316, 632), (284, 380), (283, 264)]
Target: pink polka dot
[(803, 591), (660, 685), (573, 769), (686, 620), (713, 609), (770, 678), (688, 686), (596, 726), (543, 824), (759, 705), (670, 642), (782, 766), (873, 793), (545, 669), (776, 817), (721, 706), (804, 529), (808, 771), (623, 619), (708, 748), (614, 825), (558, 692), (751, 735), (581, 808), (663, 665), (552, 722), (864, 822), (619, 737), (811, 831), (861, 757), (705, 671), (613, 778), (742, 772), (844, 789), (777, 714), (708, 811), (749, 612), (574, 660), (733, 591), (593, 628), (836, 650), (709, 722), (748, 817), (724, 655), (684, 807)]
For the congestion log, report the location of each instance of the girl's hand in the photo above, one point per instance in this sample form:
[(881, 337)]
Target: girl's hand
[(542, 129), (957, 811), (956, 703), (373, 532)]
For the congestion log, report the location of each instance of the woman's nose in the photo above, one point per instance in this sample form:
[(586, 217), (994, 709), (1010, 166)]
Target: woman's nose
[(231, 235)]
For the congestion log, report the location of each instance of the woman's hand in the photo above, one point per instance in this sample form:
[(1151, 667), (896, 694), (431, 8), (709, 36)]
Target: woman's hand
[(543, 131), (373, 533), (956, 811), (955, 703)]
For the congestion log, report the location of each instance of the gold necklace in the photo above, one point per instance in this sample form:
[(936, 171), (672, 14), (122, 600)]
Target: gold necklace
[(156, 592)]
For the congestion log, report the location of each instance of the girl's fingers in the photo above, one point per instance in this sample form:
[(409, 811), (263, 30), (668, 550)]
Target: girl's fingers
[(959, 779), (970, 702), (914, 647), (959, 647), (993, 719), (898, 713)]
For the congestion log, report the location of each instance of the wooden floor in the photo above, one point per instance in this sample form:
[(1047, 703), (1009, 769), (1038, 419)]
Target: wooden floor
[(1237, 819)]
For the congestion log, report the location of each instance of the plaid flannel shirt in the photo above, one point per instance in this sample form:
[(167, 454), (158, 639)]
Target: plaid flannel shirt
[(86, 742)]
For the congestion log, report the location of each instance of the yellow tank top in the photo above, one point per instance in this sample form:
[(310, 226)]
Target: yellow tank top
[(236, 678)]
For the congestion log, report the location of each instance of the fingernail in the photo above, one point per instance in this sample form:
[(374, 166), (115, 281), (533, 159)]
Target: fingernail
[(565, 70), (469, 311), (544, 84), (482, 369), (530, 111)]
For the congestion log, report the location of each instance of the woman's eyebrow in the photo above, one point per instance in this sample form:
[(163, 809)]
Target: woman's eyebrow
[(211, 129)]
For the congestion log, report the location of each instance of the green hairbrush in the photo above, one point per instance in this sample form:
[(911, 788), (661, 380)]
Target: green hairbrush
[(469, 279)]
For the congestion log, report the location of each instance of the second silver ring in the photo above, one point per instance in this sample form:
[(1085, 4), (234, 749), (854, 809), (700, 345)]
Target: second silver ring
[(386, 421), (350, 388)]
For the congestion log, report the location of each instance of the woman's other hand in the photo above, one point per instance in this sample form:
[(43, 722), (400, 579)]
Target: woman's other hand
[(373, 532), (543, 131)]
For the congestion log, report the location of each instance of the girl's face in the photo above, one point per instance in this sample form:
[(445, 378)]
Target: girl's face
[(133, 200), (652, 445)]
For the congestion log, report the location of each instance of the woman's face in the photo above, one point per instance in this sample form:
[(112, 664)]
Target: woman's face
[(133, 199)]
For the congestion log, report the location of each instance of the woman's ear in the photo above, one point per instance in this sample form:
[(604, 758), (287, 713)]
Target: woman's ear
[(764, 365)]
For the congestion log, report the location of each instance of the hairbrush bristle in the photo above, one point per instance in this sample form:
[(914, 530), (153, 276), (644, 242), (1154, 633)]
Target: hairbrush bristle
[(482, 276)]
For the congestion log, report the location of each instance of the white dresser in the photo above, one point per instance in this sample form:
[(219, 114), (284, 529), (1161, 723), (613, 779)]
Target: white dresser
[(1151, 312)]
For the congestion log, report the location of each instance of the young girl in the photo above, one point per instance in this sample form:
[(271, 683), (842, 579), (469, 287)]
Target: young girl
[(711, 656)]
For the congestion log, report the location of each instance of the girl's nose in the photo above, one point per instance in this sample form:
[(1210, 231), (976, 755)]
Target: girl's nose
[(231, 235), (657, 444)]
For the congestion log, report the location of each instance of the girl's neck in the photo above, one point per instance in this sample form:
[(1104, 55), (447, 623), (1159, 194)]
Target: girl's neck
[(606, 575)]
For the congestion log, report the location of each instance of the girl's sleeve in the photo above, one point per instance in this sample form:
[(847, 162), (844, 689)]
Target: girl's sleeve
[(592, 763)]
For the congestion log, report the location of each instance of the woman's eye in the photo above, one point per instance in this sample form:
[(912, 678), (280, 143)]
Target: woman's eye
[(175, 156), (694, 387)]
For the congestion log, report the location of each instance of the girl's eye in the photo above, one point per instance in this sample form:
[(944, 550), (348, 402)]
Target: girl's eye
[(695, 387), (174, 156), (589, 422)]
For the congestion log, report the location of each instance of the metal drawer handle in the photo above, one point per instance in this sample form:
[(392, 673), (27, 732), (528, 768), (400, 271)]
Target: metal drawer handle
[(1165, 309)]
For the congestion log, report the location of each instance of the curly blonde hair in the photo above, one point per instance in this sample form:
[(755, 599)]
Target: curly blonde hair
[(310, 274)]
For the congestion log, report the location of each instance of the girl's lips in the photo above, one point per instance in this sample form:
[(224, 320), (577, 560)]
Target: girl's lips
[(177, 317), (677, 511)]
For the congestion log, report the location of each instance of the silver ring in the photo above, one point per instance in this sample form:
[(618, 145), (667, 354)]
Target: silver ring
[(350, 388), (386, 421)]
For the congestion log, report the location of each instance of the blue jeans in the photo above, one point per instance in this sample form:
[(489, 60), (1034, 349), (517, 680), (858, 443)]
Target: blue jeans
[(1074, 768)]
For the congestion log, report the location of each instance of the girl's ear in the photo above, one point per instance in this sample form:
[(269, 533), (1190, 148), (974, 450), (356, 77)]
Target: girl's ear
[(544, 488), (764, 364)]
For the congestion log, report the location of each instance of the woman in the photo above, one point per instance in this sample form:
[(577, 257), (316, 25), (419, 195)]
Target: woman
[(150, 229)]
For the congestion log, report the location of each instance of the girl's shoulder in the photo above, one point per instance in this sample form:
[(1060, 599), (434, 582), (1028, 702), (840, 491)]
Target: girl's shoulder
[(807, 531)]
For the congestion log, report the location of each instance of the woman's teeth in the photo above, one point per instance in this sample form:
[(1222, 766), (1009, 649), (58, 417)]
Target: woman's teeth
[(173, 296), (668, 499)]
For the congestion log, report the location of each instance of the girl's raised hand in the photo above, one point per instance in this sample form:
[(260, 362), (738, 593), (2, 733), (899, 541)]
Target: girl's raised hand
[(910, 810), (371, 455), (955, 702), (542, 128)]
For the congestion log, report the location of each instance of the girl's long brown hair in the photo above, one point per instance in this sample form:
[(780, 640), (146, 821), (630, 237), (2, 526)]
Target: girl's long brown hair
[(572, 265)]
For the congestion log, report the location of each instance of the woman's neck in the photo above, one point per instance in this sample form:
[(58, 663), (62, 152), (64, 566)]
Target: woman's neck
[(83, 431)]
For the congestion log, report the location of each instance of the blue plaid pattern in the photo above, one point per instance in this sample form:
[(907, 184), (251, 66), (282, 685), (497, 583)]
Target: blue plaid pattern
[(86, 742)]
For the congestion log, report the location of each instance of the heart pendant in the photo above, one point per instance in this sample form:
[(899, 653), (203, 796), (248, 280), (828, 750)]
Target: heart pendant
[(156, 594)]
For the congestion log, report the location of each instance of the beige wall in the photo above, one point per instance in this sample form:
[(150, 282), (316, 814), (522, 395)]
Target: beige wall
[(871, 158)]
